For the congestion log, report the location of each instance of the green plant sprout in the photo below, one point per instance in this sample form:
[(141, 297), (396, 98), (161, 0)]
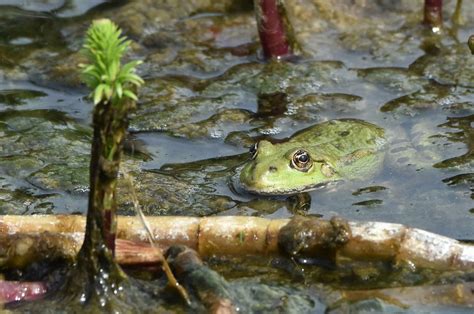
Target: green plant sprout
[(108, 80)]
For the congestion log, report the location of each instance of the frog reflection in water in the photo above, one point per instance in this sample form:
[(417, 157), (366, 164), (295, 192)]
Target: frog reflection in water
[(329, 151)]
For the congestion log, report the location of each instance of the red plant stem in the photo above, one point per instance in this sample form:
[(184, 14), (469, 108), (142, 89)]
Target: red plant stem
[(271, 29), (433, 13)]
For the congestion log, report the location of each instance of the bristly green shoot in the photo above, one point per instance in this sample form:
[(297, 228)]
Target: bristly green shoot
[(108, 79)]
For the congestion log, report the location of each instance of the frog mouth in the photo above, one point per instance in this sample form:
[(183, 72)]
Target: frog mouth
[(274, 192)]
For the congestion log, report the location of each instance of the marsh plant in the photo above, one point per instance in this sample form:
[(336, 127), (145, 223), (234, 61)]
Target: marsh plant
[(96, 281)]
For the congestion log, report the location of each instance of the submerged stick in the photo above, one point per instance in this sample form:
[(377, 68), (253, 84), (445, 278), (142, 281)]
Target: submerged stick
[(211, 288), (301, 236)]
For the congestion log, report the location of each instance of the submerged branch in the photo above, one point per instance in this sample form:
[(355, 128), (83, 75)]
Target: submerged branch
[(211, 289), (300, 237)]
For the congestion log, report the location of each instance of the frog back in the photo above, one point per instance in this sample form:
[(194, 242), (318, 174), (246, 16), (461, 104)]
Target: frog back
[(342, 137)]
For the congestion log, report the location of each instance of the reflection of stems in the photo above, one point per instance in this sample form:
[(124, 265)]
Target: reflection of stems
[(433, 16), (457, 17), (67, 5), (460, 294)]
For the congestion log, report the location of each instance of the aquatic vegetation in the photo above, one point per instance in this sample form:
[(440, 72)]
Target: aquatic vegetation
[(207, 98), (96, 280)]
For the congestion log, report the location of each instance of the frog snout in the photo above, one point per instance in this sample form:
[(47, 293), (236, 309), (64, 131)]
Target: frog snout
[(257, 176)]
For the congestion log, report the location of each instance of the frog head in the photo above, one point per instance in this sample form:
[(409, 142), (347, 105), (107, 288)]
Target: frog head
[(285, 168)]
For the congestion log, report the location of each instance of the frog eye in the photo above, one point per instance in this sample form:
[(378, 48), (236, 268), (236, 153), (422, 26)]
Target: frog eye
[(301, 160), (253, 150)]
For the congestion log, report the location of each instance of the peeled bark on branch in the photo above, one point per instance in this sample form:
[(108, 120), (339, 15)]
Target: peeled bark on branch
[(236, 235)]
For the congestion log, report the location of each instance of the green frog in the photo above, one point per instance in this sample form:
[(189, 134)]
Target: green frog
[(326, 152)]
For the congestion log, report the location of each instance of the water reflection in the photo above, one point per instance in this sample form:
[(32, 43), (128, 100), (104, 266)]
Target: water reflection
[(204, 103)]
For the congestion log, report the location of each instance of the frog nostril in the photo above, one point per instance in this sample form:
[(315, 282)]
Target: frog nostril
[(272, 169)]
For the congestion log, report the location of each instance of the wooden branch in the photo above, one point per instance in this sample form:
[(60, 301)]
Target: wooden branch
[(274, 28), (237, 235)]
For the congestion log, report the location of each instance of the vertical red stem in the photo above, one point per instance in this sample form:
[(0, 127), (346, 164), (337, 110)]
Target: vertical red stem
[(271, 29), (433, 13)]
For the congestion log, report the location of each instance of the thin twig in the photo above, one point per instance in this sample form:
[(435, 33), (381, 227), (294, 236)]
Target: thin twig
[(165, 266)]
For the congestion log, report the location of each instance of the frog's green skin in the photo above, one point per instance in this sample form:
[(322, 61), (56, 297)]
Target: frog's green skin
[(338, 150)]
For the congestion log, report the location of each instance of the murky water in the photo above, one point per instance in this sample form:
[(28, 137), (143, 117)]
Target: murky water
[(208, 98)]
